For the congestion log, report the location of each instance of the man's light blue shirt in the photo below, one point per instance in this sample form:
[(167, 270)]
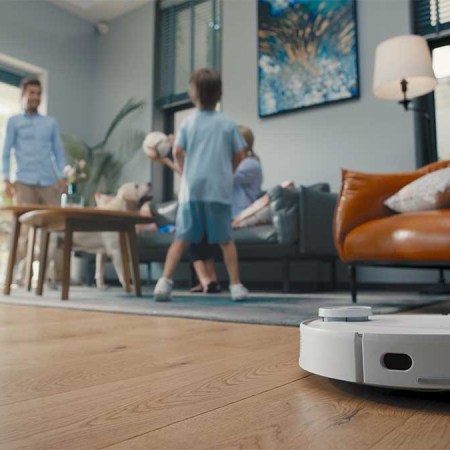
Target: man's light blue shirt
[(38, 149), (211, 140)]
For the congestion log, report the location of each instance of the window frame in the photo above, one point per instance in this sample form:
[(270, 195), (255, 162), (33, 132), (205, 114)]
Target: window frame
[(426, 154), (170, 99)]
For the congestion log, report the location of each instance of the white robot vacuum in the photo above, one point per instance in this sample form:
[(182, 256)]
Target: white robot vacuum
[(395, 351)]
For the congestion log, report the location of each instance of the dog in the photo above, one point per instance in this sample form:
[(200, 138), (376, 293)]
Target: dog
[(130, 197)]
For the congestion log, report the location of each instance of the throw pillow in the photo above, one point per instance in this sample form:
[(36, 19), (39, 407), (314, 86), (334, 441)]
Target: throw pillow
[(262, 216), (284, 208), (422, 194), (259, 212)]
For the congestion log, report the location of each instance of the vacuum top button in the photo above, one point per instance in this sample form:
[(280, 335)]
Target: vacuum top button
[(345, 313)]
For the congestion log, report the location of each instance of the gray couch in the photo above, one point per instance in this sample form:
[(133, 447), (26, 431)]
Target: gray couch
[(301, 229)]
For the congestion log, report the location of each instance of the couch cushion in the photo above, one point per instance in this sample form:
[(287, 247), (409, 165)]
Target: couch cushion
[(316, 214), (421, 194), (284, 207), (423, 236), (149, 239), (165, 213), (284, 204), (261, 234)]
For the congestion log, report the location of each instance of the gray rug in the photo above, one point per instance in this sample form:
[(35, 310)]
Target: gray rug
[(261, 308)]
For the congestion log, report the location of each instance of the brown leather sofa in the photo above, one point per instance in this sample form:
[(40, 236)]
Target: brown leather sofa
[(366, 232)]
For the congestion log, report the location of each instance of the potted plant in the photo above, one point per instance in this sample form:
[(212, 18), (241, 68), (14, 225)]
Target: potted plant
[(103, 163)]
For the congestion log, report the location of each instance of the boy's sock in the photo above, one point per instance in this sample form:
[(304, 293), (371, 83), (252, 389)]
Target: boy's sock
[(238, 292), (163, 290)]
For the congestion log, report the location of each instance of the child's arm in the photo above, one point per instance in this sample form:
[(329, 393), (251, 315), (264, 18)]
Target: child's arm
[(171, 165), (179, 153)]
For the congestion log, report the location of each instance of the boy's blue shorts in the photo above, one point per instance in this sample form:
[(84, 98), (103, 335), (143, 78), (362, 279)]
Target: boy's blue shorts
[(196, 220)]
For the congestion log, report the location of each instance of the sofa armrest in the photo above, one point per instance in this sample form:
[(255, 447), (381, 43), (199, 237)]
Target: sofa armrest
[(363, 195), (316, 212)]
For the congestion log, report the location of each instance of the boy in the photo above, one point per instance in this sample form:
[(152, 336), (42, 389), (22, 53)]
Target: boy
[(207, 146)]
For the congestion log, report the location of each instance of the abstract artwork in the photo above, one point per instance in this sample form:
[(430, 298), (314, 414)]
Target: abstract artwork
[(307, 54)]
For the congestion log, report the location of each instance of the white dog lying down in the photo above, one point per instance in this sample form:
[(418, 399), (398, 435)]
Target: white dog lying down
[(130, 197)]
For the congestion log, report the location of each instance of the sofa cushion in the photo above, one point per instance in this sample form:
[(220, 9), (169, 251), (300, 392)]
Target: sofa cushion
[(284, 204), (284, 207), (165, 213), (422, 236), (316, 214), (261, 234), (155, 239), (421, 194), (258, 213)]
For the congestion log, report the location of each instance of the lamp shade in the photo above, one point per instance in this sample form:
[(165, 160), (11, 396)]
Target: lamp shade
[(403, 58)]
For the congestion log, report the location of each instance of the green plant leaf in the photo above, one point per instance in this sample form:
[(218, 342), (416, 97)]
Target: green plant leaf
[(106, 160), (130, 106)]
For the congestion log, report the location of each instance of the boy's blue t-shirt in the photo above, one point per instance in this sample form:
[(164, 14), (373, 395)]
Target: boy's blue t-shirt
[(210, 139)]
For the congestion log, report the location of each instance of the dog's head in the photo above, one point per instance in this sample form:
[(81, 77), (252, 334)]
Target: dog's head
[(135, 193)]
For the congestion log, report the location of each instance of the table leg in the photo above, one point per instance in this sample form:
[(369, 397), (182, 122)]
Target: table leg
[(125, 260), (45, 237), (132, 244), (68, 236), (12, 255), (30, 256)]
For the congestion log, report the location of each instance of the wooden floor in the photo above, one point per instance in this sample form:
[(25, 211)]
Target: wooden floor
[(82, 380)]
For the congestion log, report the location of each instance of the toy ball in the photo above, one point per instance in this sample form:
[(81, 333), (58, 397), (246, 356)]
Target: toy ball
[(156, 145)]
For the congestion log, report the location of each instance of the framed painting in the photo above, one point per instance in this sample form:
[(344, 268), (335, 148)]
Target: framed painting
[(307, 54)]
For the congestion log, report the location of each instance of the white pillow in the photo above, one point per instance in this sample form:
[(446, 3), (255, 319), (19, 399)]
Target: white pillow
[(421, 194)]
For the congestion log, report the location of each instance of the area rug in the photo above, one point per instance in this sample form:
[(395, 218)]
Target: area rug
[(261, 308)]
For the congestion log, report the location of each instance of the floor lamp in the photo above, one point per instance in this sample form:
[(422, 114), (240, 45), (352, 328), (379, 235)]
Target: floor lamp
[(404, 71)]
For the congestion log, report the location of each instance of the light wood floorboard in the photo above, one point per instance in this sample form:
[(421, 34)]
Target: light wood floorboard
[(82, 380)]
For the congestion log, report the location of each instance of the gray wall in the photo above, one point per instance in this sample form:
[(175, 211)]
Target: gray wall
[(313, 145), (41, 34), (125, 69)]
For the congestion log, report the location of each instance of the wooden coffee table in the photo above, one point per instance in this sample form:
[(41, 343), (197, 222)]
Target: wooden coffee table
[(70, 220), (16, 211)]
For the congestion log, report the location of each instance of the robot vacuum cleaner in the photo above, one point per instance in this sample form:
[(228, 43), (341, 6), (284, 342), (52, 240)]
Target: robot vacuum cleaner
[(393, 351)]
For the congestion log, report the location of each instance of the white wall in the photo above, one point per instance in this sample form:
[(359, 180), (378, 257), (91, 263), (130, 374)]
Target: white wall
[(313, 145), (124, 69), (41, 34)]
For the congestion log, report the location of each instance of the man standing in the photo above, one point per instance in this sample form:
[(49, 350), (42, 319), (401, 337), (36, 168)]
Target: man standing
[(38, 150), (40, 161)]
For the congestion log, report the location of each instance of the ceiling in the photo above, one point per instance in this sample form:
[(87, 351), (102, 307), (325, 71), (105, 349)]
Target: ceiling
[(99, 10)]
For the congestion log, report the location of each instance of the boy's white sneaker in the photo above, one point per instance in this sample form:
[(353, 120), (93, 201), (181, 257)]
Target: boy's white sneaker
[(163, 290), (238, 292)]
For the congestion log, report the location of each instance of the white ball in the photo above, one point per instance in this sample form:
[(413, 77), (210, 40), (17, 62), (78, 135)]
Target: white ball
[(156, 145)]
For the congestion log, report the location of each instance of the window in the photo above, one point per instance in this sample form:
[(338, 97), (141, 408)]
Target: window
[(9, 105), (431, 17), (441, 66), (188, 38), (432, 20)]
